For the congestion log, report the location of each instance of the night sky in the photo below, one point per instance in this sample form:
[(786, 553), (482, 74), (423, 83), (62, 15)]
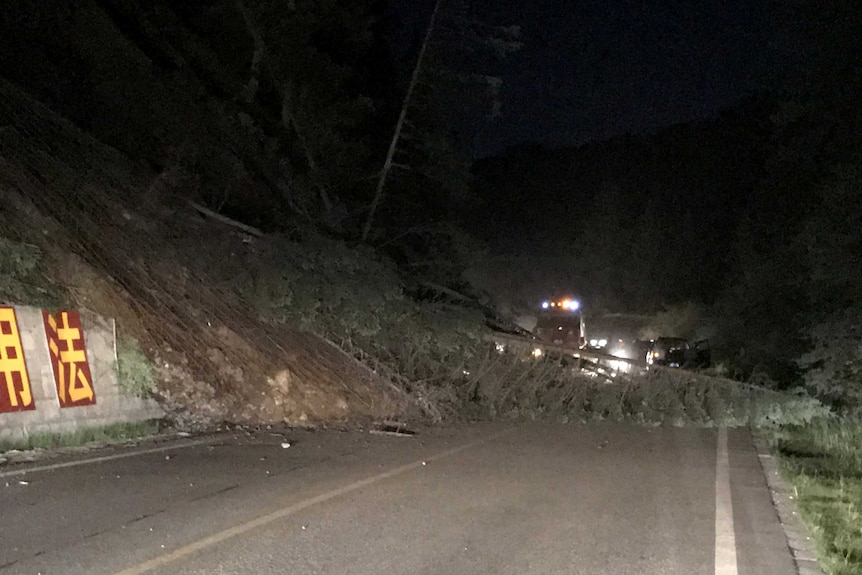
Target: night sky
[(595, 69)]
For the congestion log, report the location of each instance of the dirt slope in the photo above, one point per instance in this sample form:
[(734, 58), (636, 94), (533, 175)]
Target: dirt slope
[(114, 240)]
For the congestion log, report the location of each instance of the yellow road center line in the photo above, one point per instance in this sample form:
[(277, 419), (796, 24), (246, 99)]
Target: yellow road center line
[(284, 512), (105, 458)]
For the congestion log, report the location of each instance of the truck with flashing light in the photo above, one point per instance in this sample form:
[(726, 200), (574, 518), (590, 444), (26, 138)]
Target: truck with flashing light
[(561, 322)]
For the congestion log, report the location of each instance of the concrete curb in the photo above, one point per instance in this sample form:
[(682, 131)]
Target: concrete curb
[(798, 540)]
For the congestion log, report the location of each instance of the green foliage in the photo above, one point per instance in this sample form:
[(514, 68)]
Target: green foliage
[(438, 354), (313, 64), (325, 286), (20, 281), (833, 366), (761, 317), (823, 462), (440, 254), (518, 385), (832, 243), (90, 435), (18, 260), (798, 274), (689, 399), (136, 374), (357, 299)]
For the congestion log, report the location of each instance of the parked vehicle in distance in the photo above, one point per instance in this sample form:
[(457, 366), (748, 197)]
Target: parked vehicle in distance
[(699, 355), (668, 351), (678, 352)]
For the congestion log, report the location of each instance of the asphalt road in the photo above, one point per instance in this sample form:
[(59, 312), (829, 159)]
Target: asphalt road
[(491, 499)]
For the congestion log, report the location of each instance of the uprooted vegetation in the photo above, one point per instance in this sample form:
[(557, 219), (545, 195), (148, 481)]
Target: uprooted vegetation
[(441, 355)]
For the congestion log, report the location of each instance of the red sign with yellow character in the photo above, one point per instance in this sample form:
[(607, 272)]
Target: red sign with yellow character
[(69, 358), (15, 394)]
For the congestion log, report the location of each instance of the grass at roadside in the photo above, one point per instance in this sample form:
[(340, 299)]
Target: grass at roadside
[(106, 434), (822, 461)]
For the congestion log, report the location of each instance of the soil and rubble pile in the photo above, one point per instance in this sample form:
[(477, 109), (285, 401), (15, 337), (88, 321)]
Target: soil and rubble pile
[(116, 251)]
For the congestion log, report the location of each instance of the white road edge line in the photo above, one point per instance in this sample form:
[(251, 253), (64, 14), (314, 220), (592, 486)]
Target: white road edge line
[(725, 538), (284, 512), (104, 458)]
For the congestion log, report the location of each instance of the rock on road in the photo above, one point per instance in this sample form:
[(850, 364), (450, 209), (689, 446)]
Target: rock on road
[(603, 499)]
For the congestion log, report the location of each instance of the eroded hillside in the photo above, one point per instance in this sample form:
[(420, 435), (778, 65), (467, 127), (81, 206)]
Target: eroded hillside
[(115, 250)]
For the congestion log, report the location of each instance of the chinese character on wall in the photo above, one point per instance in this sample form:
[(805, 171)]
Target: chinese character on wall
[(15, 394), (69, 359)]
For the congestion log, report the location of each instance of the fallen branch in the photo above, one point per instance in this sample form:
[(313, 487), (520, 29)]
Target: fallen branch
[(226, 220)]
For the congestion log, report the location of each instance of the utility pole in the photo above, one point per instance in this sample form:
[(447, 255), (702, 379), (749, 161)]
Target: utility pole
[(387, 165)]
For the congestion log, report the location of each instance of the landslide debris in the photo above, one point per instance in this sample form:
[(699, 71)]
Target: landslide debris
[(116, 243)]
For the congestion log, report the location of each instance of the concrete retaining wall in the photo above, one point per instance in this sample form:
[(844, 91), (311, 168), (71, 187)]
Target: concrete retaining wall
[(68, 377)]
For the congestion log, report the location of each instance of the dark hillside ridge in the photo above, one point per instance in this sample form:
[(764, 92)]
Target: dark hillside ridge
[(640, 204)]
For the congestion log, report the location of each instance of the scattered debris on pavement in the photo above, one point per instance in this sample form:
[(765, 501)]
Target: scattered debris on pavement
[(395, 428)]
